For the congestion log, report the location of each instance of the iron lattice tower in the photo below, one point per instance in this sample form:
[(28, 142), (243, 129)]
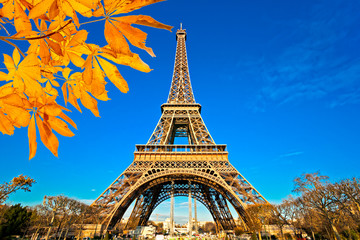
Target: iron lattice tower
[(161, 168)]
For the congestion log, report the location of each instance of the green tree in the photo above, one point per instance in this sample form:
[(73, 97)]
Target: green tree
[(15, 221)]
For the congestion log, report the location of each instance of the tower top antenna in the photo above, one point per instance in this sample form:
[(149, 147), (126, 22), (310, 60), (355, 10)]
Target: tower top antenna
[(180, 26)]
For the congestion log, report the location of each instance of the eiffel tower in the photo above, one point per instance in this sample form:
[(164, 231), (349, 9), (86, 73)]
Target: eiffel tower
[(162, 169)]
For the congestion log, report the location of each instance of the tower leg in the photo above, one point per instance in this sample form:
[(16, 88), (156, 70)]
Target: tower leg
[(172, 210), (195, 213), (190, 213)]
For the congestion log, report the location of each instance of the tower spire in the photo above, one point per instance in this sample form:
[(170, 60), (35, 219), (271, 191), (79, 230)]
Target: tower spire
[(181, 90)]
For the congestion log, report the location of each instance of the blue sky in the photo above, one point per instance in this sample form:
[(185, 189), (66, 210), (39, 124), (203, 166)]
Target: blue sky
[(278, 82)]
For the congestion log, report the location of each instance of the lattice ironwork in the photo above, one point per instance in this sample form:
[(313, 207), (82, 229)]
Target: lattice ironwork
[(160, 166), (181, 91)]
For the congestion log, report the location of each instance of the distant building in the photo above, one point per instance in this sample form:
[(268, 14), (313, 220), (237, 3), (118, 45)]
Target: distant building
[(166, 224), (145, 231)]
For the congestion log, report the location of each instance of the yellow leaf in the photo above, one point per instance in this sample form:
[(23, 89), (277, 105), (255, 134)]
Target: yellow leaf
[(114, 75), (13, 100), (9, 63), (99, 12), (3, 76), (16, 56), (48, 86), (21, 20), (6, 89), (128, 5), (6, 127), (115, 39), (60, 127), (52, 109), (8, 10), (82, 7), (32, 87), (66, 72), (44, 52), (72, 99), (135, 36), (54, 83), (97, 87), (78, 38), (18, 115), (64, 90), (29, 67), (47, 136), (76, 59), (66, 118), (89, 102), (32, 138), (40, 8), (143, 20), (132, 60)]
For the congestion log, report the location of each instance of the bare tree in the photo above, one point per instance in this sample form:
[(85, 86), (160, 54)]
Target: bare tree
[(317, 194)]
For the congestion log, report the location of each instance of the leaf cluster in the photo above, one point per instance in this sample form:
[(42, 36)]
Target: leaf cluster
[(59, 62), (17, 183)]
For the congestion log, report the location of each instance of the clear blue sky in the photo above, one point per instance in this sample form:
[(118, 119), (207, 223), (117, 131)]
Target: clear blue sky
[(278, 82)]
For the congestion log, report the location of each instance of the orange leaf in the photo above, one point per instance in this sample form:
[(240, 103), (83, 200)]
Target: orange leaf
[(16, 56), (76, 59), (64, 90), (47, 136), (133, 60), (40, 8), (143, 20), (9, 62), (72, 98), (60, 127), (57, 36), (3, 76), (135, 36), (115, 39), (129, 6), (52, 109), (32, 138), (89, 102), (78, 38), (54, 10), (55, 46), (66, 118), (8, 10), (6, 127), (13, 99), (98, 83), (114, 75), (44, 52), (88, 73), (21, 20), (19, 116)]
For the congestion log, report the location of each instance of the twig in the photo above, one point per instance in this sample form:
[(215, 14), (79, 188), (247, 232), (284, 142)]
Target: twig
[(98, 20), (40, 37), (14, 45), (5, 29)]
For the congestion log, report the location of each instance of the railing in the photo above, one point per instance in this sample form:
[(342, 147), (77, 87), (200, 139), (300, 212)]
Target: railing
[(180, 148)]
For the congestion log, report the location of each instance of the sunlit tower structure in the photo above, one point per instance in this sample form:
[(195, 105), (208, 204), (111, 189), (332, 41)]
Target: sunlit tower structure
[(163, 170)]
